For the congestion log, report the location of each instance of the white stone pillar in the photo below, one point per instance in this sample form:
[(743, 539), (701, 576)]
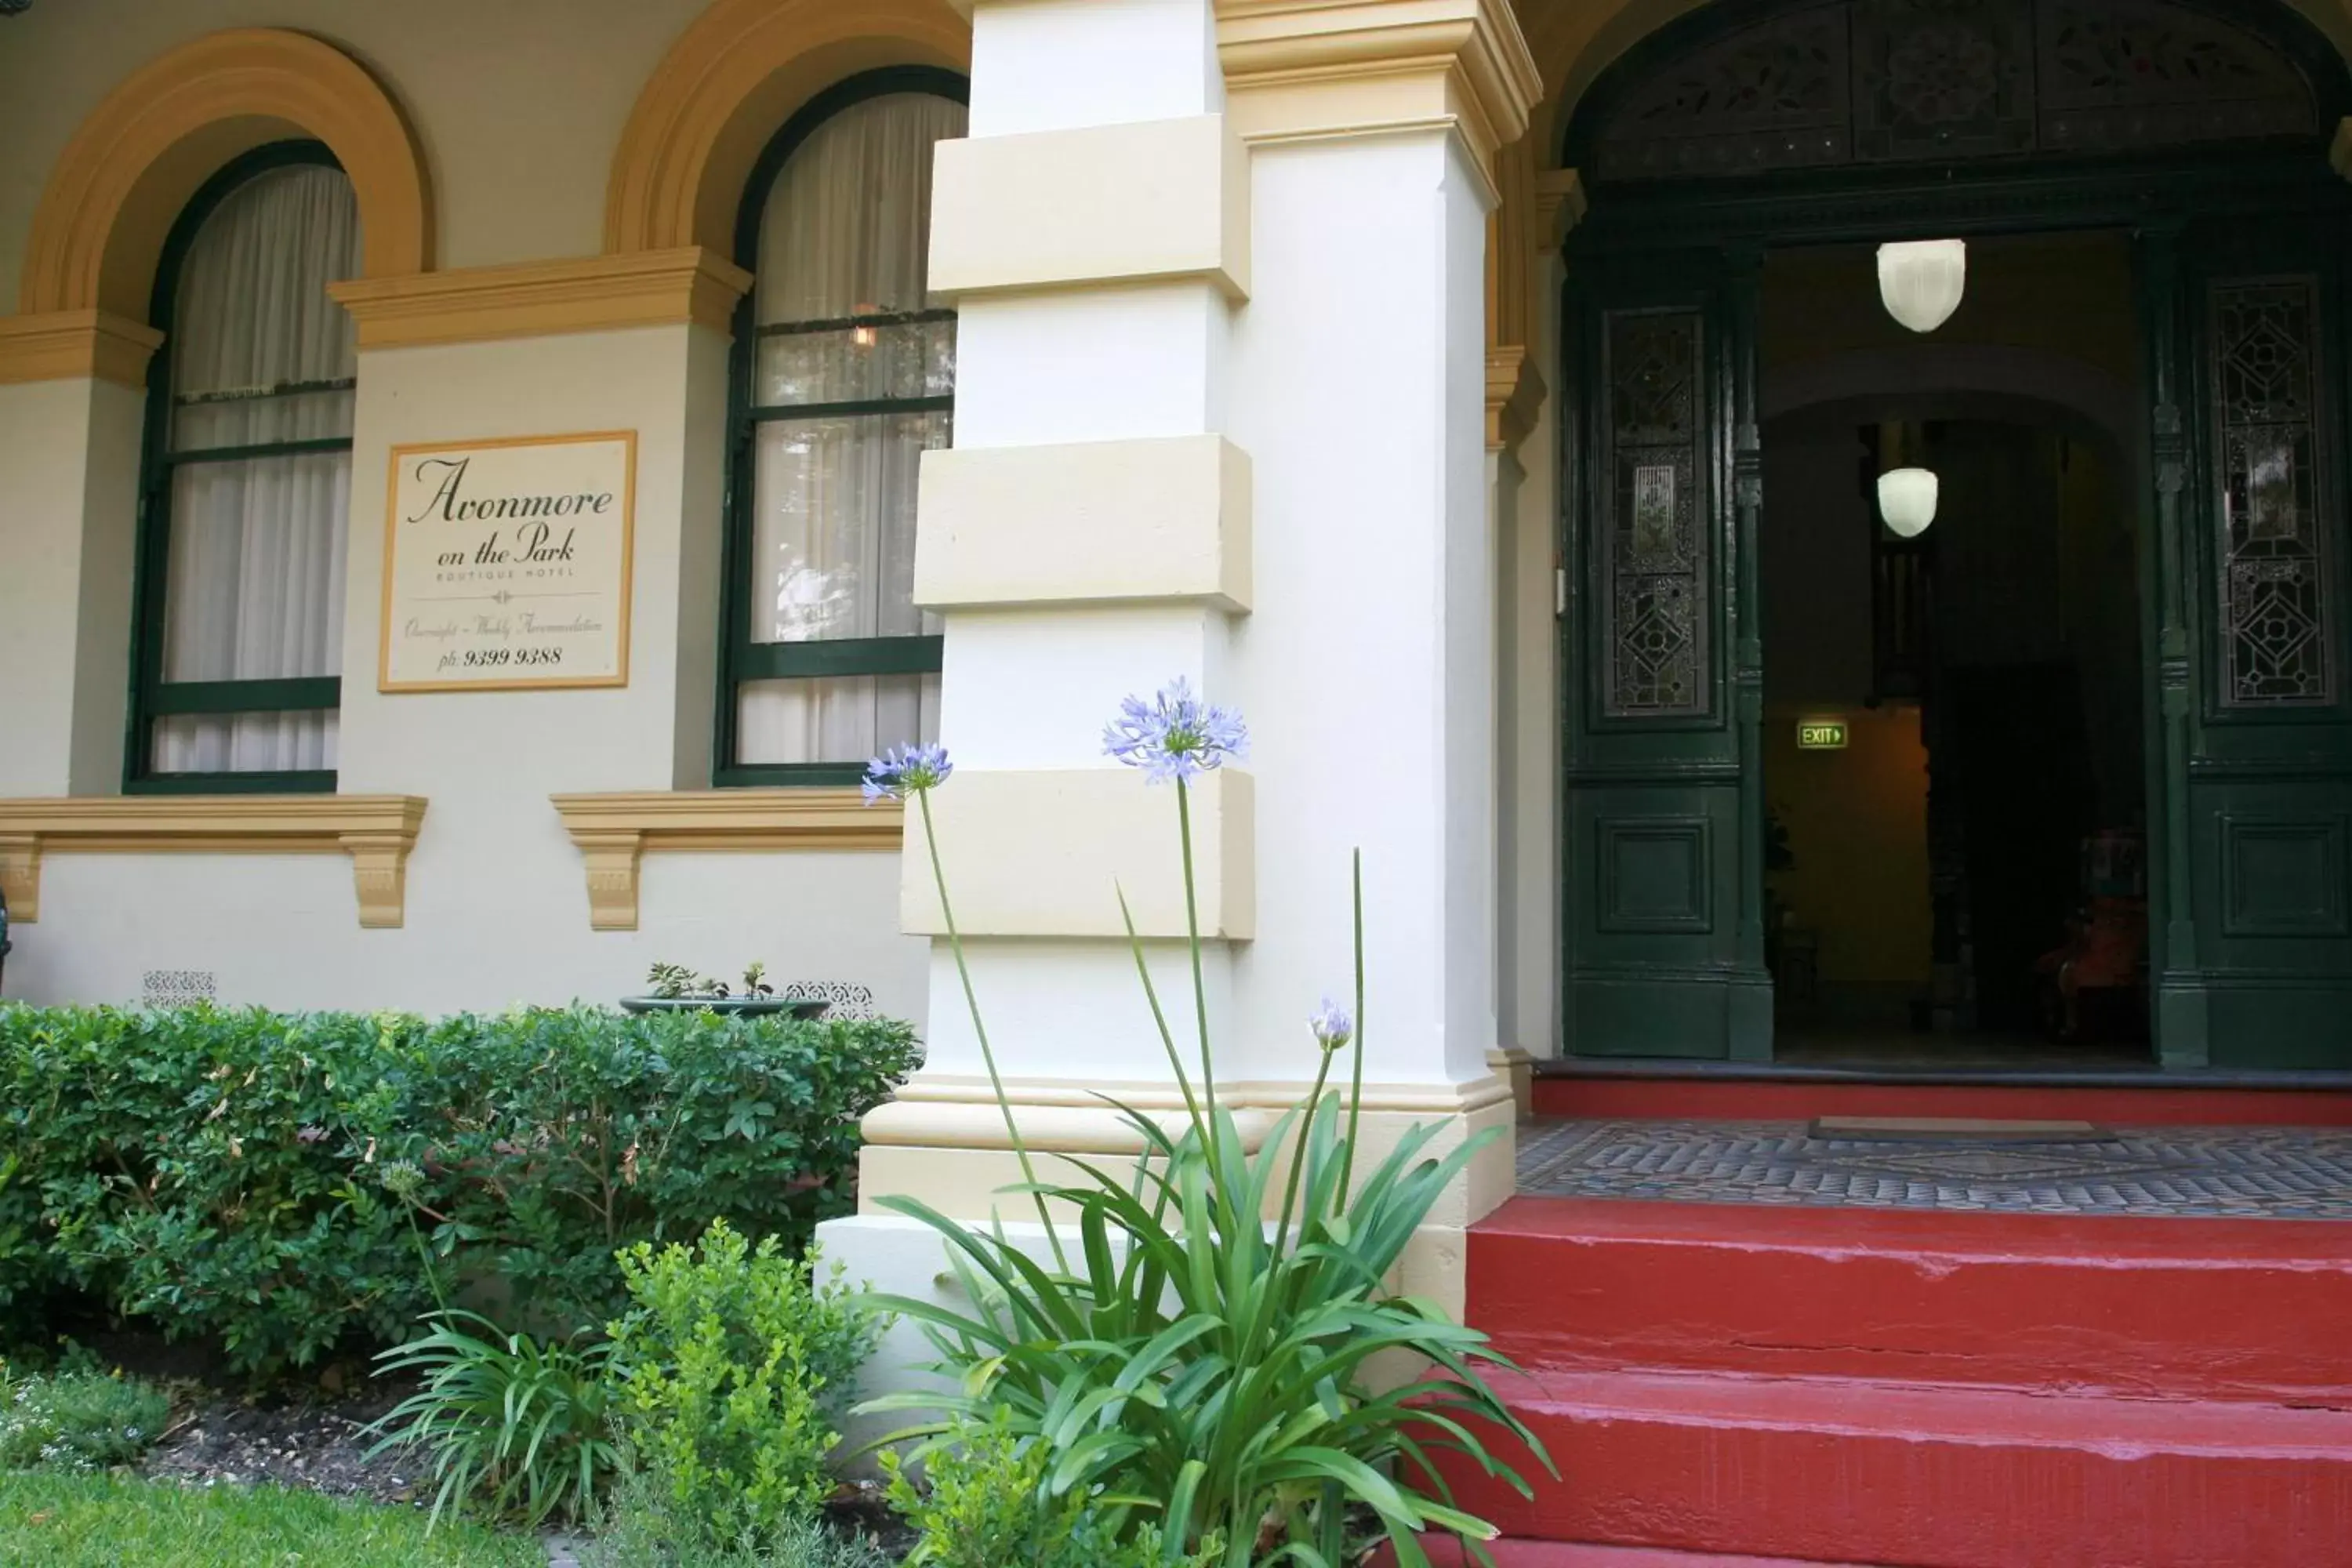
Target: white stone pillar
[(1371, 659), (1088, 538), (1220, 414)]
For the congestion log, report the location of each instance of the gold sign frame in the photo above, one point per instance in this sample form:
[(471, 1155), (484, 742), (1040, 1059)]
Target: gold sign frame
[(628, 440)]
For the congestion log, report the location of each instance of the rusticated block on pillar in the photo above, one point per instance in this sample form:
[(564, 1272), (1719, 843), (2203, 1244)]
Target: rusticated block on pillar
[(1155, 201), (1049, 853), (1093, 523)]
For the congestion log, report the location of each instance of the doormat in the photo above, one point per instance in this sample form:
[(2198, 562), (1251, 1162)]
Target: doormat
[(1951, 1129)]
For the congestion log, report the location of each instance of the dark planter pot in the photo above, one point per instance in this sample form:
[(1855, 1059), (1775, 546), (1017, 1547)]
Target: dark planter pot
[(730, 1007)]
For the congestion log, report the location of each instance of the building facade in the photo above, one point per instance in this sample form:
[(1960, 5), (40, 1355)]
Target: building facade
[(1405, 373)]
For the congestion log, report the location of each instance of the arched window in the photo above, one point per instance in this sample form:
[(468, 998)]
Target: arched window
[(844, 375), (247, 484)]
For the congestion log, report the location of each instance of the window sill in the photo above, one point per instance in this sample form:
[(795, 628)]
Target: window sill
[(613, 832), (377, 831)]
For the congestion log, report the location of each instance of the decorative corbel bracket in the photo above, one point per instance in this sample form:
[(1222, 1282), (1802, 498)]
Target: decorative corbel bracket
[(613, 832), (1514, 394), (377, 831), (1560, 207), (20, 876)]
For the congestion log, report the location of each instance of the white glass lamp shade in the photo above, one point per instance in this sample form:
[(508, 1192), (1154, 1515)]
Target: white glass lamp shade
[(1921, 281), (1906, 500)]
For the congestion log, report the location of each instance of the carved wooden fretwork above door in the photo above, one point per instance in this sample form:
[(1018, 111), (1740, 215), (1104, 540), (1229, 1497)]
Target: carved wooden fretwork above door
[(1852, 82)]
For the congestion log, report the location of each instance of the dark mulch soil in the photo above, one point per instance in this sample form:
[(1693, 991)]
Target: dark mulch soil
[(860, 1508), (316, 1442)]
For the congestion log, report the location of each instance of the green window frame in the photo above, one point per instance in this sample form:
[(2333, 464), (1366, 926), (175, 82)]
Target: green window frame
[(743, 660), (152, 696)]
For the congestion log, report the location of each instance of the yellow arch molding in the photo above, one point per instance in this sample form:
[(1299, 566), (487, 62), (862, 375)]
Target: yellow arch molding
[(135, 161), (725, 87)]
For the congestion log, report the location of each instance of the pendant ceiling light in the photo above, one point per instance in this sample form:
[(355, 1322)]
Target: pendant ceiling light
[(1922, 280), (1906, 500)]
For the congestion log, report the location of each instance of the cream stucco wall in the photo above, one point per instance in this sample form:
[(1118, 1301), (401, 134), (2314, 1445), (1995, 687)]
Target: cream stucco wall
[(69, 454), (517, 108), (517, 104), (497, 906)]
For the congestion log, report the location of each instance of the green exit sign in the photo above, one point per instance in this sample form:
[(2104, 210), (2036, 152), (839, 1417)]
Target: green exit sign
[(1820, 735)]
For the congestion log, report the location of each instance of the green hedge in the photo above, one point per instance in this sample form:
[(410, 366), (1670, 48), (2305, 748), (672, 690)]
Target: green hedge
[(261, 1180)]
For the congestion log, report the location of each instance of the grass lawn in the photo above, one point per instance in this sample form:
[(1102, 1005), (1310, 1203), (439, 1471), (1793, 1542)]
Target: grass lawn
[(103, 1522)]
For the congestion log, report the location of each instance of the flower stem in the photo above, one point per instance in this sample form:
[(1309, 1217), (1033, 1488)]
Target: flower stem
[(1356, 1085), (1298, 1155), (1160, 1019), (1200, 986), (971, 1004)]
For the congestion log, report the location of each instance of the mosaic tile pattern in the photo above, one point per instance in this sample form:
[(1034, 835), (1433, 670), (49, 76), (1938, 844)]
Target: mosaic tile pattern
[(2256, 1173)]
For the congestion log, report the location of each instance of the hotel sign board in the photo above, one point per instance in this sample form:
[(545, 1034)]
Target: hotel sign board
[(1821, 734), (507, 565)]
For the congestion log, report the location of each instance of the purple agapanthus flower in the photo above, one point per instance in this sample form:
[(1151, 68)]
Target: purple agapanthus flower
[(903, 771), (1175, 735), (1333, 1028)]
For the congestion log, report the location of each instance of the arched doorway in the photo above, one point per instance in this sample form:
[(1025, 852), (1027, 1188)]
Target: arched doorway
[(2185, 141)]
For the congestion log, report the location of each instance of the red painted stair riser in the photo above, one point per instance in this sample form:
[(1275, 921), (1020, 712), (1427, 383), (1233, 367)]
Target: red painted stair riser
[(2189, 1308), (1844, 1472)]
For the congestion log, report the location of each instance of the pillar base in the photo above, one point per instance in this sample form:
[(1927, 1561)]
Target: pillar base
[(943, 1143)]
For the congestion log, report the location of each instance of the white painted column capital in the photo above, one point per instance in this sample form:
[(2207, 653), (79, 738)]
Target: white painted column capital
[(1308, 70)]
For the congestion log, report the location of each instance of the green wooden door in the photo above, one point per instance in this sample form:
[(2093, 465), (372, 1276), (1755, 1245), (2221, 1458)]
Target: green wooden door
[(1664, 672), (2250, 753)]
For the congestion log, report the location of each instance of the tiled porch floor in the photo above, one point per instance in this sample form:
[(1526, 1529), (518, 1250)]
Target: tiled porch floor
[(2257, 1173)]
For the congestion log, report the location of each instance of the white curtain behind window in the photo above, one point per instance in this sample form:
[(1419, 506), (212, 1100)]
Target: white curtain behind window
[(259, 355), (845, 234)]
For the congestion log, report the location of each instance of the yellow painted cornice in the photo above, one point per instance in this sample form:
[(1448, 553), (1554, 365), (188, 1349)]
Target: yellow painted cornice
[(613, 832), (1299, 69), (543, 299), (377, 831), (60, 345)]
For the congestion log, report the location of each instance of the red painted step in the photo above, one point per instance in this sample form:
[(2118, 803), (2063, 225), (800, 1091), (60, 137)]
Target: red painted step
[(2258, 1309), (1729, 1098), (1445, 1552), (1835, 1470)]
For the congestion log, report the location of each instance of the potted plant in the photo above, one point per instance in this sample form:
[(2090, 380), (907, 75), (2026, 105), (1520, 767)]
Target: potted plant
[(676, 988)]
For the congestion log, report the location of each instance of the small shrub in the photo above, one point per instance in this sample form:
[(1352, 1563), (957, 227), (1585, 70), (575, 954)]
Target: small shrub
[(980, 1507), (77, 1420), (231, 1176), (738, 1367), (640, 1528), (522, 1427)]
